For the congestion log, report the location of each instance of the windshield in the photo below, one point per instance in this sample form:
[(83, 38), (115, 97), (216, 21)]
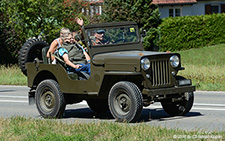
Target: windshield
[(109, 36)]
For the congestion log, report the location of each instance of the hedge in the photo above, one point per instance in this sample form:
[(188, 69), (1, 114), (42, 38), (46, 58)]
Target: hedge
[(182, 33)]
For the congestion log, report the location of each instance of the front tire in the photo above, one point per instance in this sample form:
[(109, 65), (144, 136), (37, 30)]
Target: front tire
[(125, 102), (50, 100)]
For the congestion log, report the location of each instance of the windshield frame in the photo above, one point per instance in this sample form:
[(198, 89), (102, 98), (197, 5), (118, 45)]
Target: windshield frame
[(98, 49), (110, 39)]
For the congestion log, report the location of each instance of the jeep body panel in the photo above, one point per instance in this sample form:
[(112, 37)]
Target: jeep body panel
[(122, 63), (67, 85)]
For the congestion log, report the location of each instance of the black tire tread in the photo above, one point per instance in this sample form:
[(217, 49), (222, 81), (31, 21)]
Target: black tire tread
[(171, 109), (62, 104), (24, 51), (137, 97)]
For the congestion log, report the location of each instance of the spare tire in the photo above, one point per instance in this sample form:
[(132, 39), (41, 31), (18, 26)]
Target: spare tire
[(30, 50)]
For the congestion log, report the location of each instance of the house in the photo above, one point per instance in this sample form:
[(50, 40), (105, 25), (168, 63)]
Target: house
[(92, 7), (174, 8)]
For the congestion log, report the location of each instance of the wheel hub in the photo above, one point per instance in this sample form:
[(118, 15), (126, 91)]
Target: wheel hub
[(47, 100), (123, 104)]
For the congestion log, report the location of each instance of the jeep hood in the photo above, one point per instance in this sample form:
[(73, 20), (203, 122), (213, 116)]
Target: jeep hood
[(123, 59)]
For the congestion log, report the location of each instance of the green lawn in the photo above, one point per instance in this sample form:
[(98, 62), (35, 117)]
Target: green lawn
[(12, 76), (27, 129), (205, 66)]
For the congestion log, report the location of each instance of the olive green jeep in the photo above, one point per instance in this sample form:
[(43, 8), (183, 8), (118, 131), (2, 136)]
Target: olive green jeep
[(123, 79)]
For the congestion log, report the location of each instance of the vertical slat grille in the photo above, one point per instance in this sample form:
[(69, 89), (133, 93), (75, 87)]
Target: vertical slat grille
[(160, 73)]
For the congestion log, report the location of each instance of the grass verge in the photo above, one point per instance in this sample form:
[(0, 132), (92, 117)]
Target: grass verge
[(205, 66), (19, 128), (12, 75)]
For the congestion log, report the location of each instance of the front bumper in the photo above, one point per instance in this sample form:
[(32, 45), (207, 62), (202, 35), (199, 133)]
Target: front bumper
[(167, 91)]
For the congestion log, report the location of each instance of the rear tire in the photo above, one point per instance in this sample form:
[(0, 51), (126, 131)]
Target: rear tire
[(125, 102), (49, 99), (30, 50)]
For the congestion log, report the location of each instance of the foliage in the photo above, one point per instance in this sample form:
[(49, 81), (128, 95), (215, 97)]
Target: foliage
[(23, 19), (182, 33), (8, 42), (141, 11), (71, 10)]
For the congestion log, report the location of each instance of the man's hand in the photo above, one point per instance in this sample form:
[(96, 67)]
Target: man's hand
[(79, 21), (77, 66)]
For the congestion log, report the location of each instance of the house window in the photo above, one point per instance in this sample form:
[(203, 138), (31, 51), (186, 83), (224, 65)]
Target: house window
[(210, 9), (214, 9), (171, 12), (174, 12), (177, 12)]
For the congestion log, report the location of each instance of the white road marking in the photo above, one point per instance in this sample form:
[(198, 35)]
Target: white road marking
[(7, 96), (208, 109), (206, 104), (14, 101), (196, 106)]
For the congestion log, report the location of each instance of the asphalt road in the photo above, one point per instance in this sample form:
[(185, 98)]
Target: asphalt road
[(207, 114)]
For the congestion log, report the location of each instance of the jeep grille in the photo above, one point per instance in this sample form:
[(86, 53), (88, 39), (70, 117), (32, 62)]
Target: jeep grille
[(160, 73)]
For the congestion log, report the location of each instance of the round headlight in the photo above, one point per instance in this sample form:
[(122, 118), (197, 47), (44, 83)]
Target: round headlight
[(145, 63), (174, 61)]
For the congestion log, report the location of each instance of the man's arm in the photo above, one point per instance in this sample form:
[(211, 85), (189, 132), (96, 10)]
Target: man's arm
[(68, 62), (52, 49), (87, 56)]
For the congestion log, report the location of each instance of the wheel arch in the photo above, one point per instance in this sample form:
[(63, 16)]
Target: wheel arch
[(43, 75), (110, 80)]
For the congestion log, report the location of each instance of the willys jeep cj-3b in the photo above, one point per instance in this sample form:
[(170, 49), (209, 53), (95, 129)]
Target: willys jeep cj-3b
[(123, 79)]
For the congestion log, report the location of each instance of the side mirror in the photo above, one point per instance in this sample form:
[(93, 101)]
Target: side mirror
[(143, 32)]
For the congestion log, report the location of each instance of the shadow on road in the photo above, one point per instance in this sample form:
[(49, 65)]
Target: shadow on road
[(161, 115), (86, 113), (147, 115)]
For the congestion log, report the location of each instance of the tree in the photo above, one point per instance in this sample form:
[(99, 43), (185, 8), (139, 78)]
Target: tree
[(141, 11), (23, 19)]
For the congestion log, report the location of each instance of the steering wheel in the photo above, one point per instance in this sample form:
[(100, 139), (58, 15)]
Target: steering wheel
[(119, 40)]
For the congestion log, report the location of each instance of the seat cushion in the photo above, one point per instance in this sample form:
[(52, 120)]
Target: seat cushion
[(44, 55)]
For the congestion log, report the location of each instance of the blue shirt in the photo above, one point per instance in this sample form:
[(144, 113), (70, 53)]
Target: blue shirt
[(62, 51)]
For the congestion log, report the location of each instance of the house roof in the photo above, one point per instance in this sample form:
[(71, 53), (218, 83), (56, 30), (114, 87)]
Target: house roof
[(173, 2)]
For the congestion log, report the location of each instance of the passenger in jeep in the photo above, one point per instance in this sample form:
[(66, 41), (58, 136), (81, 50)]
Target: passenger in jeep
[(57, 43), (99, 38), (74, 56)]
